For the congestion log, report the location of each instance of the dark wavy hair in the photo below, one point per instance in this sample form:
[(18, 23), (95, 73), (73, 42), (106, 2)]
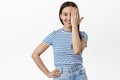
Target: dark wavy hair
[(67, 4)]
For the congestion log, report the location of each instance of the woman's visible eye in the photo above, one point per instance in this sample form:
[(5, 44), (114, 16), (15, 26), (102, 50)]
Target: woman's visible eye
[(65, 14)]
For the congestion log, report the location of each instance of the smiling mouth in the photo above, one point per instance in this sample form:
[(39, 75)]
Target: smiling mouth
[(69, 22)]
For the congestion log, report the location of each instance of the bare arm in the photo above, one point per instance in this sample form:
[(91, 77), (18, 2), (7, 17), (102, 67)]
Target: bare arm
[(36, 57), (78, 43)]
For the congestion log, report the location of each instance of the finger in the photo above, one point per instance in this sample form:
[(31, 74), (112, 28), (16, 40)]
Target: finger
[(76, 12), (57, 72), (72, 12), (78, 15), (81, 19), (55, 76)]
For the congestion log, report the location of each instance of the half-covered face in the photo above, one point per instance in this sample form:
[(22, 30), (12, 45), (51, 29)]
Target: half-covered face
[(66, 16)]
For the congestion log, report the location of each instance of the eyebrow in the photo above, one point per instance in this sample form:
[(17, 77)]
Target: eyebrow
[(65, 12)]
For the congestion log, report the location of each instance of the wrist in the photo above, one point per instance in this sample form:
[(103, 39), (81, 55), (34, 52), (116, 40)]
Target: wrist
[(47, 73), (75, 28), (75, 25)]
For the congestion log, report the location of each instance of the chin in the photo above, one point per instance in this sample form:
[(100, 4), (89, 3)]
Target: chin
[(69, 25)]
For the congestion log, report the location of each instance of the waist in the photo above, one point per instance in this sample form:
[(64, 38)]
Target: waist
[(67, 60), (70, 68)]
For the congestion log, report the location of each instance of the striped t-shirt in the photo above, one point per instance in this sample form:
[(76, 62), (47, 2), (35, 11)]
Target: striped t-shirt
[(61, 41)]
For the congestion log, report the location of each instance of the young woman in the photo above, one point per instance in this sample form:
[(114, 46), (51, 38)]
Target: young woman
[(68, 43)]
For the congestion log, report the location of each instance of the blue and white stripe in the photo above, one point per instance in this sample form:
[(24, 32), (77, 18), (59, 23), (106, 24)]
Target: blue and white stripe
[(61, 42)]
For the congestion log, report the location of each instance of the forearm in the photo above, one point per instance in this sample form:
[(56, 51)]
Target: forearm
[(40, 64), (76, 40)]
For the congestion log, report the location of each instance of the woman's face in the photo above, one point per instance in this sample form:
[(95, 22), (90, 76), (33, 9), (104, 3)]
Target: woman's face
[(66, 16)]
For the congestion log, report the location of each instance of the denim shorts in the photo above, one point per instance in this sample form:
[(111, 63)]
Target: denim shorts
[(71, 72)]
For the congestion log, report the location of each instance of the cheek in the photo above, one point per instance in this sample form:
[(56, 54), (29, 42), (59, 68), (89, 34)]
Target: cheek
[(63, 19)]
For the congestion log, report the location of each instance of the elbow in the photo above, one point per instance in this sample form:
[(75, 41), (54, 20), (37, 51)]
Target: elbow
[(78, 51), (34, 56)]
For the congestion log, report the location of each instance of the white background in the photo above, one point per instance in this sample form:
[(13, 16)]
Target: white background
[(25, 23)]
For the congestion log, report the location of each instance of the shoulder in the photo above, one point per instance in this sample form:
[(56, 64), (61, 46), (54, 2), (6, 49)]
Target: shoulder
[(53, 33), (50, 37)]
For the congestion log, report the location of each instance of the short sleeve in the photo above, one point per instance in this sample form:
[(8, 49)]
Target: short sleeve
[(49, 38), (84, 36)]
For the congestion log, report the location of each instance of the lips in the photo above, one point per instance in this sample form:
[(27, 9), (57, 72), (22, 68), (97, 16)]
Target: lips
[(68, 22)]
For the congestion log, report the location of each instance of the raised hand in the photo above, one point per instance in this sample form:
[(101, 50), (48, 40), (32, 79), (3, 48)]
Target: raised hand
[(75, 17)]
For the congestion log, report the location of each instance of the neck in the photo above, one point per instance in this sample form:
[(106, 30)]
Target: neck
[(67, 28)]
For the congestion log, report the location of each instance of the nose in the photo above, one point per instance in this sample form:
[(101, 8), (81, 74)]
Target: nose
[(69, 17)]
